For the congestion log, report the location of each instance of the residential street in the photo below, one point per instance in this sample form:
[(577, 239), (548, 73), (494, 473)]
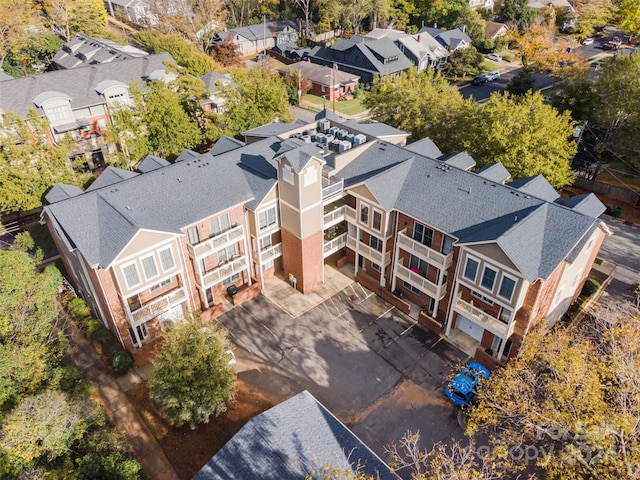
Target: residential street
[(622, 248)]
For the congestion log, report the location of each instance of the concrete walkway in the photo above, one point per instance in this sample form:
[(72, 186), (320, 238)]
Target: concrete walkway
[(118, 407)]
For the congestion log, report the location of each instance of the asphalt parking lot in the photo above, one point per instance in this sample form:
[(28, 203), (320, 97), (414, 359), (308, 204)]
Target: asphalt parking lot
[(372, 366)]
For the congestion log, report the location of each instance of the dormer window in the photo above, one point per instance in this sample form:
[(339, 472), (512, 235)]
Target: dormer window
[(59, 113)]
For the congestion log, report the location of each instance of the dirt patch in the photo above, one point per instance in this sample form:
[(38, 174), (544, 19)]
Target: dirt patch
[(188, 450)]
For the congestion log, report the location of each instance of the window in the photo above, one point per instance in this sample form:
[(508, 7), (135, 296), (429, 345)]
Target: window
[(364, 214), (63, 112), (375, 242), (142, 334), (471, 269), (166, 259), (229, 280), (422, 234), (447, 245), (194, 237), (265, 243), (267, 218), (149, 267), (411, 288), (488, 278), (481, 297), (131, 275), (377, 220), (227, 254), (505, 315), (418, 266), (507, 286), (220, 224), (376, 267), (158, 286)]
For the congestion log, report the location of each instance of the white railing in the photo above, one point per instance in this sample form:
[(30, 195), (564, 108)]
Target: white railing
[(381, 258), (428, 254), (334, 216), (213, 244), (350, 212), (480, 317), (421, 283), (222, 272), (334, 245), (334, 190), (271, 253), (156, 307)]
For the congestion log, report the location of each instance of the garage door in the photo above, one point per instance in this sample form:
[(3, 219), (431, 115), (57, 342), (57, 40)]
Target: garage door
[(465, 325)]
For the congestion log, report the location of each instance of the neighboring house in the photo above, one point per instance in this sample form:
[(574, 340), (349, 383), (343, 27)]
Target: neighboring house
[(493, 30), (470, 256), (422, 49), (214, 82), (263, 36), (488, 4), (450, 39), (326, 82), (133, 11), (83, 50), (292, 51), (77, 101), (296, 439), (366, 58), (538, 4)]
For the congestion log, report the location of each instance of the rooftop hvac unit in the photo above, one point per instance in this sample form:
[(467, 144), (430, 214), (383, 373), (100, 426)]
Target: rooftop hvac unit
[(333, 131), (306, 138), (359, 139), (311, 132), (295, 135), (329, 138), (344, 146), (335, 144), (342, 134), (321, 139), (324, 125), (350, 137)]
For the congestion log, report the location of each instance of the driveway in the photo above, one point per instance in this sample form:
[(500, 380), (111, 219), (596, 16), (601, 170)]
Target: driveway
[(371, 365), (623, 247)]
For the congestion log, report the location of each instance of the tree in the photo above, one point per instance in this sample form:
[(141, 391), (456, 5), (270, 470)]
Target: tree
[(32, 55), (521, 83), (68, 17), (628, 14), (355, 11), (225, 53), (570, 398), (128, 132), (295, 81), (192, 378), (15, 21), (517, 12), (592, 16), (463, 62), (305, 6), (260, 98), (541, 51)]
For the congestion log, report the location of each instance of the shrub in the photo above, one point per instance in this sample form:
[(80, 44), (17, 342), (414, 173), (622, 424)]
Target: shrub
[(507, 58), (98, 332), (77, 308), (121, 362), (590, 287), (65, 376)]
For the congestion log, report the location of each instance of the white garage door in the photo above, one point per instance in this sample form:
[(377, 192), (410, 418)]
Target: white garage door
[(465, 325)]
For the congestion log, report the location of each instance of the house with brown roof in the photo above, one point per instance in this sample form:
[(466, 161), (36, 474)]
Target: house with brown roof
[(328, 83)]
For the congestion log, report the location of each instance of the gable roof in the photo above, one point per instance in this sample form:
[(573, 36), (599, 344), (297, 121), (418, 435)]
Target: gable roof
[(460, 160), (496, 172), (296, 439), (536, 186), (79, 84), (587, 203), (299, 156), (61, 191), (212, 78), (225, 144), (493, 29), (82, 50), (272, 129), (260, 30), (450, 39), (320, 74), (150, 163), (110, 176), (425, 147)]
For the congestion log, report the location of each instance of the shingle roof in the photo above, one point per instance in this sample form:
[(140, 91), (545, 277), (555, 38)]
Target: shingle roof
[(260, 31), (425, 147), (225, 144), (272, 129), (150, 163), (374, 129), (460, 160), (17, 95), (109, 176), (61, 191), (496, 172), (212, 78), (82, 50), (294, 440), (320, 74), (450, 39), (538, 186), (299, 156), (587, 203)]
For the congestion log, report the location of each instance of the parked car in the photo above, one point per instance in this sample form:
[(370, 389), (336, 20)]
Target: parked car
[(495, 57), (587, 41), (481, 80), (462, 388), (491, 76)]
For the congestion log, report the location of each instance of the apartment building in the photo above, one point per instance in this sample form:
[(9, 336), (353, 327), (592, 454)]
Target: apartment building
[(463, 252)]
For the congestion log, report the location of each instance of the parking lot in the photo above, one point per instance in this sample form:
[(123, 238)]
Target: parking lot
[(371, 365)]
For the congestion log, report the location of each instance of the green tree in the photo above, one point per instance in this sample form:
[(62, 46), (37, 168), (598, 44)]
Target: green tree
[(260, 98), (192, 378), (88, 17), (463, 62), (517, 12), (521, 83), (628, 14), (32, 55), (592, 16), (571, 394)]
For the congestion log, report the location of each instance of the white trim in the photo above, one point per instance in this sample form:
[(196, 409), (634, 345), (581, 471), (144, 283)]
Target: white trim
[(308, 207), (493, 260), (464, 269), (172, 258), (515, 286), (119, 260), (486, 267), (124, 275), (144, 270)]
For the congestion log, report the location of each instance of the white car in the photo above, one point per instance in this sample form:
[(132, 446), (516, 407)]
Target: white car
[(491, 76), (587, 41), (495, 57)]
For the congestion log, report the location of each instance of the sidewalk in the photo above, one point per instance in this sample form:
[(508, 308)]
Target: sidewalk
[(118, 407)]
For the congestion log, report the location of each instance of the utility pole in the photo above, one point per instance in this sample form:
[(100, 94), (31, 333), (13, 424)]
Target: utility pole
[(333, 85)]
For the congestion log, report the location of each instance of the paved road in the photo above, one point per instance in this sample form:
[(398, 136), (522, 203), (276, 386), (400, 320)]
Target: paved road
[(302, 114), (483, 92), (372, 366), (623, 247)]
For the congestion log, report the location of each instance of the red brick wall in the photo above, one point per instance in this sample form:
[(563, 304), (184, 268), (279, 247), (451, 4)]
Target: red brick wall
[(303, 259)]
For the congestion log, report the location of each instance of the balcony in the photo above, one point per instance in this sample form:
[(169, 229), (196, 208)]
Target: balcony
[(381, 258), (268, 254), (480, 317), (331, 190), (421, 283), (212, 245), (332, 246), (156, 307), (428, 254), (334, 216), (350, 213), (222, 272)]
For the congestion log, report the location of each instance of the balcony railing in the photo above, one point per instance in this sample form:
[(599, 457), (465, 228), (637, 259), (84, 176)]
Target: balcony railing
[(222, 272), (334, 216), (334, 245), (332, 191), (480, 317), (421, 283), (211, 245), (270, 253), (156, 307), (428, 254), (381, 258), (350, 212)]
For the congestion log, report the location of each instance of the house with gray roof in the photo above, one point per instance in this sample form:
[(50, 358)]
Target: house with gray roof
[(421, 49), (468, 256), (262, 36), (83, 50), (295, 439), (324, 81), (453, 39)]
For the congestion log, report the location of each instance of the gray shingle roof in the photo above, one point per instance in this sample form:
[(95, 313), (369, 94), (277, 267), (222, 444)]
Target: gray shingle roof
[(110, 176), (450, 39), (425, 147), (272, 129), (496, 172), (374, 129), (150, 163), (212, 78), (61, 191), (587, 203), (260, 31), (225, 144), (538, 186), (186, 155), (82, 50), (299, 157), (320, 74), (292, 441)]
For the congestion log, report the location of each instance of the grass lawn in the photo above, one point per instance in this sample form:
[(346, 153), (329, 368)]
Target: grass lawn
[(488, 66), (348, 107)]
